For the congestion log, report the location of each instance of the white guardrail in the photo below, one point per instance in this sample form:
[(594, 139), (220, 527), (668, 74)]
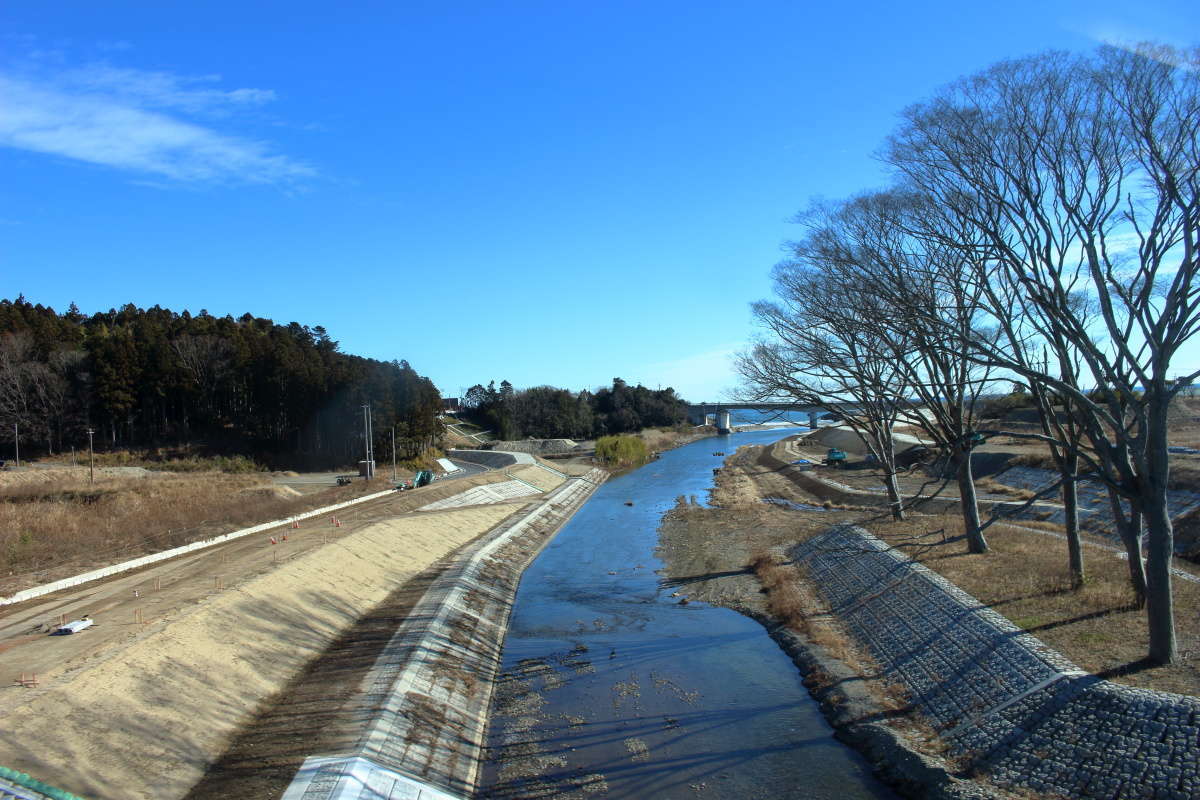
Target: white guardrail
[(104, 572)]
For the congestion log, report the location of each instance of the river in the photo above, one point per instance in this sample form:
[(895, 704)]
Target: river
[(611, 688)]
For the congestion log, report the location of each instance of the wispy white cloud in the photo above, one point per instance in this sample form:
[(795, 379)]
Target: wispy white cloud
[(162, 90), (151, 123), (1128, 36)]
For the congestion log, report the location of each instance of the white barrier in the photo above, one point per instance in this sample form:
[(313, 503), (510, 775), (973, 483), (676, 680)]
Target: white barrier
[(104, 572)]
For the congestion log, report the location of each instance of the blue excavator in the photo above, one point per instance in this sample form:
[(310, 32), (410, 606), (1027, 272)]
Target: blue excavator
[(424, 477)]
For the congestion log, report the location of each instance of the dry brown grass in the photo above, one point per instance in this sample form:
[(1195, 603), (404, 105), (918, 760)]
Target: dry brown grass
[(660, 439), (995, 487), (1038, 459), (1185, 472), (1054, 527), (1025, 578), (792, 600), (63, 524), (784, 599)]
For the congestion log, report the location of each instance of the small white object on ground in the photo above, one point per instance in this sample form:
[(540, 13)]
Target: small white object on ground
[(76, 626)]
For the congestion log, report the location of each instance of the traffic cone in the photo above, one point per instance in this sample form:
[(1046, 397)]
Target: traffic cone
[(273, 540), (295, 523)]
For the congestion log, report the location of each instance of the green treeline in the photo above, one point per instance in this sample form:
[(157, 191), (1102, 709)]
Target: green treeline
[(282, 394), (545, 412)]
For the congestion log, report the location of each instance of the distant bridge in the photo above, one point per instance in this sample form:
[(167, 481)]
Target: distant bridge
[(699, 413)]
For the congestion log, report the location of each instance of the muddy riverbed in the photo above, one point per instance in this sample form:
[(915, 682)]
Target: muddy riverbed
[(618, 682)]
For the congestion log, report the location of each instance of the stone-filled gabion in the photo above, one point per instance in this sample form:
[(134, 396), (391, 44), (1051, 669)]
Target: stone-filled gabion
[(1021, 711)]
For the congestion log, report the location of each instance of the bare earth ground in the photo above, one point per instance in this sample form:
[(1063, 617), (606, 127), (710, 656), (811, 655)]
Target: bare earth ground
[(311, 714), (129, 709), (709, 552)]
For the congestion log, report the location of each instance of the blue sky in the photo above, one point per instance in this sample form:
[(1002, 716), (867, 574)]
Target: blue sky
[(558, 192)]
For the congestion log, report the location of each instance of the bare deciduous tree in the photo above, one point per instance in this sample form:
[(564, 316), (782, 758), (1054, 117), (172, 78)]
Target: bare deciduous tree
[(821, 354), (919, 290), (1081, 174)]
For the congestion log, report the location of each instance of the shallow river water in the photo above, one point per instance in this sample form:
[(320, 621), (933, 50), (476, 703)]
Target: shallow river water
[(611, 688)]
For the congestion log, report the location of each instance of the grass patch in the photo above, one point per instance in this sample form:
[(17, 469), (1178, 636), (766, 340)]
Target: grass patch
[(660, 439), (1025, 623), (56, 523), (166, 461)]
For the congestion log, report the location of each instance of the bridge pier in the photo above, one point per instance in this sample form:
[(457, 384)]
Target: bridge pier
[(724, 423)]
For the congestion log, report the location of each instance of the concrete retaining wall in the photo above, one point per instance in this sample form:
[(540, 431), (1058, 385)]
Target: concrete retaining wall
[(488, 493), (537, 447), (844, 438), (1015, 708), (493, 459), (125, 566), (425, 710)]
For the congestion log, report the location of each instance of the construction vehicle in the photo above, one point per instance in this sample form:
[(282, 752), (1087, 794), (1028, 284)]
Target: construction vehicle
[(423, 477), (835, 457)]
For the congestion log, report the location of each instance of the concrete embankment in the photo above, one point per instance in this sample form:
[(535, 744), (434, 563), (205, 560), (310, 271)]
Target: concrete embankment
[(424, 716), (1007, 705), (144, 719)]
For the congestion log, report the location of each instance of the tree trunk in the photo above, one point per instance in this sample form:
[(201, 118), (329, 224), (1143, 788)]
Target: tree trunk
[(1160, 604), (1070, 493), (976, 543), (893, 493), (1130, 530)]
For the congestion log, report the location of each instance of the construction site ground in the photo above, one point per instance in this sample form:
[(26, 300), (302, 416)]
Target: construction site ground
[(184, 652)]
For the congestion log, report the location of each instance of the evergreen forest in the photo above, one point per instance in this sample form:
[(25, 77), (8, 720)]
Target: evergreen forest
[(153, 378), (546, 412)]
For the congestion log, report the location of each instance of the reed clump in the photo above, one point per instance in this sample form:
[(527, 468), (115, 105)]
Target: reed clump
[(622, 451)]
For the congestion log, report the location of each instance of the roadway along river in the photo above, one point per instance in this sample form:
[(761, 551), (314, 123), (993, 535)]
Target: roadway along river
[(613, 689)]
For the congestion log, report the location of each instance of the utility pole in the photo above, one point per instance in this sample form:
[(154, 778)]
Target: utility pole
[(393, 454), (91, 461), (367, 437), (17, 443)]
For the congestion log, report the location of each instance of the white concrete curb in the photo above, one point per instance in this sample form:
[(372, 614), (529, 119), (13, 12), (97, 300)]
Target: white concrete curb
[(104, 572)]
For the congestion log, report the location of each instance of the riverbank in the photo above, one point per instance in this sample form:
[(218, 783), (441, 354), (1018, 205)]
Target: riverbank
[(146, 718), (614, 685), (709, 554), (184, 653), (713, 554), (411, 684)]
